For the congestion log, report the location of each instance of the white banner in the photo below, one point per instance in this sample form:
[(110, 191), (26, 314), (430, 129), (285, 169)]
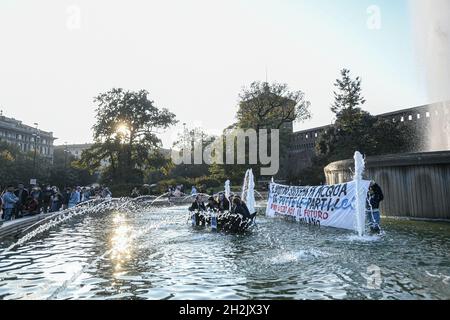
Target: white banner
[(328, 205)]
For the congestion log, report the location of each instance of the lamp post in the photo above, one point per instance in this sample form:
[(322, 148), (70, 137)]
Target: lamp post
[(36, 137), (66, 152)]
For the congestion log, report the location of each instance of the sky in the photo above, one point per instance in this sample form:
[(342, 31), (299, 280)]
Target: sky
[(195, 56)]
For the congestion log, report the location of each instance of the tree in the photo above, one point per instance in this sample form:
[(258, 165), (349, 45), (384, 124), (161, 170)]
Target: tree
[(355, 129), (272, 106), (188, 140), (348, 94), (125, 134)]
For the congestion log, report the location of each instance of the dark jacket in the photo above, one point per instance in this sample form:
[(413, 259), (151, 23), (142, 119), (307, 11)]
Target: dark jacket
[(242, 209), (374, 199), (22, 197), (197, 206), (214, 206), (224, 205)]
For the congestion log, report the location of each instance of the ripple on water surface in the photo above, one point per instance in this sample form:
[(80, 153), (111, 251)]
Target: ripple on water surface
[(157, 255)]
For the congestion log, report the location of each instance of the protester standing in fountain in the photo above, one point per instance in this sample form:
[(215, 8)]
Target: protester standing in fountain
[(374, 197), (212, 205), (198, 205), (10, 200), (224, 204)]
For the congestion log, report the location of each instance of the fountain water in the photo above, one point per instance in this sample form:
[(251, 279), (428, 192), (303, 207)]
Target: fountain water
[(360, 196), (250, 199), (227, 189), (245, 185)]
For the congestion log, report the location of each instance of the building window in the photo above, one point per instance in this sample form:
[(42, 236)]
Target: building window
[(402, 119), (427, 114), (410, 118), (418, 116), (306, 136), (316, 134), (393, 120)]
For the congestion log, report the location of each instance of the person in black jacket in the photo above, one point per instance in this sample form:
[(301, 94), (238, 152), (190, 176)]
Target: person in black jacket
[(374, 198), (212, 205), (239, 207), (224, 204), (22, 194), (197, 205), (47, 199)]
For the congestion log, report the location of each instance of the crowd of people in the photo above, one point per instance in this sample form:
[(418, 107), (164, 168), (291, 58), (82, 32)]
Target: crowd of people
[(19, 202)]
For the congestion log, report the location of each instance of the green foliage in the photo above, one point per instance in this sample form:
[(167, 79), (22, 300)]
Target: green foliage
[(263, 106), (126, 136), (355, 129), (271, 106), (348, 94), (17, 167)]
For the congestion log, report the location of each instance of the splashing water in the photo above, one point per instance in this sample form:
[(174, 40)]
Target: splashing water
[(250, 199), (228, 189), (360, 197)]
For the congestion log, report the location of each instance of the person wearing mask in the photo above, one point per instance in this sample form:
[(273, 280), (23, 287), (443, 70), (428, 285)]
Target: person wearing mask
[(57, 200), (22, 194), (10, 201)]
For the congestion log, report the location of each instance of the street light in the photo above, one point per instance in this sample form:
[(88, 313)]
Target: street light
[(66, 152), (36, 137)]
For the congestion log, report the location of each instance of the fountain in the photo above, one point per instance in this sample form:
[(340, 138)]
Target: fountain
[(228, 189), (250, 196), (87, 258), (360, 194)]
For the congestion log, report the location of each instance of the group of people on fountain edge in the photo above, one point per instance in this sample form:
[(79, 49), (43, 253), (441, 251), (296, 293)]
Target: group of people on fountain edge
[(19, 202), (235, 205), (233, 210)]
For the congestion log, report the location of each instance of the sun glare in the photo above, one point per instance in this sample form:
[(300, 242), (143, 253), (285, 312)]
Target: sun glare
[(123, 129)]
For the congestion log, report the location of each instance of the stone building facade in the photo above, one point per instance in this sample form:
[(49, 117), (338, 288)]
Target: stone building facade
[(430, 121), (27, 138)]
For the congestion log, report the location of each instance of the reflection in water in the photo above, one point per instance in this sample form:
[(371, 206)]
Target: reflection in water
[(120, 243), (157, 255)]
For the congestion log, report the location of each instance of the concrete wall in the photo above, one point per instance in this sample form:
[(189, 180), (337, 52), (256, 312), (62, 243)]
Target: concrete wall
[(415, 185)]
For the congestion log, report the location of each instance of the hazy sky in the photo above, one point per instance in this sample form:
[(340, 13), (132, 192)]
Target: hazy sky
[(194, 56)]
